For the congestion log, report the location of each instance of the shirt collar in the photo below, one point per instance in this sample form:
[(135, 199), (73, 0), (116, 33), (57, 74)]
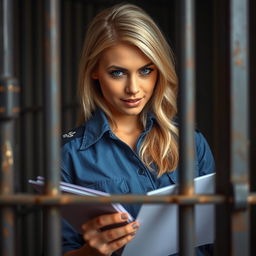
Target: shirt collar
[(95, 128), (98, 125)]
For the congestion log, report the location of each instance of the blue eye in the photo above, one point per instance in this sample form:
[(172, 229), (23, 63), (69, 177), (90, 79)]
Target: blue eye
[(116, 73), (146, 71)]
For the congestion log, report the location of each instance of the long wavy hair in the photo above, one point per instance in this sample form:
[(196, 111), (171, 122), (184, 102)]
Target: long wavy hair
[(130, 24)]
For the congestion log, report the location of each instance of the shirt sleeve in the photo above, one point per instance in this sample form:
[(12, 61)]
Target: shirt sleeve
[(204, 155), (71, 240)]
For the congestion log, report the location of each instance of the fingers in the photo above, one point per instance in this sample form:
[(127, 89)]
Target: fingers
[(108, 249), (110, 240), (105, 220), (111, 235)]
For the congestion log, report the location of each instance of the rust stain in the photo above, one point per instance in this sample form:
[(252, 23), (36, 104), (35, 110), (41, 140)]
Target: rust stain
[(6, 189), (10, 88), (190, 63), (65, 200), (16, 110), (203, 199), (54, 192), (237, 50), (7, 156), (239, 224), (6, 232), (13, 88), (239, 62), (9, 219)]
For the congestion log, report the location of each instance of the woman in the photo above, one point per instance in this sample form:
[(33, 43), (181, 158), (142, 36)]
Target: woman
[(127, 141)]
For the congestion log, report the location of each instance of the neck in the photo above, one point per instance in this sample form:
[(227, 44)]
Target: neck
[(127, 124)]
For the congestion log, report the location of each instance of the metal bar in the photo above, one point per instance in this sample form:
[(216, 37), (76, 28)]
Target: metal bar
[(74, 199), (9, 108), (67, 85), (39, 163), (252, 54), (77, 45), (52, 130), (187, 116), (221, 123), (239, 125), (27, 131)]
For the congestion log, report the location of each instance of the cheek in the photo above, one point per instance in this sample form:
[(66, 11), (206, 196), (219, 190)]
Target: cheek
[(152, 84), (109, 88)]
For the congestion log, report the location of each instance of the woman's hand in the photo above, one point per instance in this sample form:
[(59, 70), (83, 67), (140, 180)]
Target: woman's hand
[(107, 241)]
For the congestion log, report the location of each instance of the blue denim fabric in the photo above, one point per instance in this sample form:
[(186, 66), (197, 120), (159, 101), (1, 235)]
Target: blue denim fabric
[(92, 156)]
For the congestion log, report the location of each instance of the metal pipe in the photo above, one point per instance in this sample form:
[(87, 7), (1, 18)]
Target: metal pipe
[(9, 108), (222, 124), (25, 199), (67, 84), (52, 129), (187, 116), (239, 126)]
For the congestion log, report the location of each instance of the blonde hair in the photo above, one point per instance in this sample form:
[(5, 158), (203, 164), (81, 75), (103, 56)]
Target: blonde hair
[(130, 24)]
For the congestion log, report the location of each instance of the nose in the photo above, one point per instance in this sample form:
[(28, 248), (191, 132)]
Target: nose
[(132, 86)]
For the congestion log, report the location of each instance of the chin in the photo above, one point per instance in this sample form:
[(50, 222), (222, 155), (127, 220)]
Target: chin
[(133, 112)]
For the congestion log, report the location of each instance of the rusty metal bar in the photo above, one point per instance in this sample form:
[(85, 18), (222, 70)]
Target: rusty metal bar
[(187, 116), (38, 140), (252, 54), (239, 126), (52, 129), (67, 50), (73, 199), (27, 131), (9, 108), (222, 124)]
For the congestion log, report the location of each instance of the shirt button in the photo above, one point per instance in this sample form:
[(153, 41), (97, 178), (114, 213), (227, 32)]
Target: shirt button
[(141, 172)]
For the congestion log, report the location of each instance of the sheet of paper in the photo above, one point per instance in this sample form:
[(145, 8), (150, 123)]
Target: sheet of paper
[(158, 232), (77, 215)]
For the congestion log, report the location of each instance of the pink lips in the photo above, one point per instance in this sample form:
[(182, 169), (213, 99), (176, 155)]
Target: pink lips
[(132, 102)]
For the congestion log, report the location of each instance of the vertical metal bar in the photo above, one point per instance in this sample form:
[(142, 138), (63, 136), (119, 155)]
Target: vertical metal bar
[(79, 32), (187, 116), (39, 163), (27, 129), (52, 111), (222, 123), (239, 123), (68, 84), (9, 108), (252, 93)]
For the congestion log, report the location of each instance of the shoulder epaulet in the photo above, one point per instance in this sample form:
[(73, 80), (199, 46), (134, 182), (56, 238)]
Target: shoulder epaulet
[(73, 134)]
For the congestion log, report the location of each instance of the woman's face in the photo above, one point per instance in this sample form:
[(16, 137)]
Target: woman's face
[(127, 79)]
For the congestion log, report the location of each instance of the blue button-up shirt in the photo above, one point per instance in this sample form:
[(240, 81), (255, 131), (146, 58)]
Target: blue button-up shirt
[(92, 156)]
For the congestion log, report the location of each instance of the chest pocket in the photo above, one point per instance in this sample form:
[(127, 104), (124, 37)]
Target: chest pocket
[(112, 186)]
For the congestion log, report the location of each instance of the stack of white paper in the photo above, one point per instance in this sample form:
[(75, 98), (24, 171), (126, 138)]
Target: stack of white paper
[(77, 215), (158, 232)]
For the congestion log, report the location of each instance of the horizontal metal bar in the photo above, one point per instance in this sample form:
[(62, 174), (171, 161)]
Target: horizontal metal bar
[(26, 199)]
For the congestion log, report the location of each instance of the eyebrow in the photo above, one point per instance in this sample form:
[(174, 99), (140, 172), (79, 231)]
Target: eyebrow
[(124, 69)]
